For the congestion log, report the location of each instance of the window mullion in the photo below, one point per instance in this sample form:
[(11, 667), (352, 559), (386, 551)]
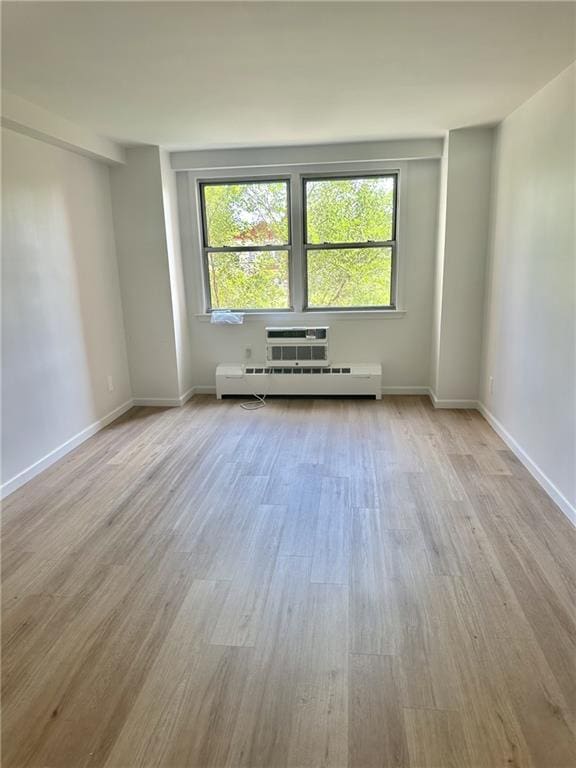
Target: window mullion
[(297, 281)]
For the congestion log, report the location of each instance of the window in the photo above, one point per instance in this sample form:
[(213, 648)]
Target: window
[(246, 244), (346, 257), (350, 242)]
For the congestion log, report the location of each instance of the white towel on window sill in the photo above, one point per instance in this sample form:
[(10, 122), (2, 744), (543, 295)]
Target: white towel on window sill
[(225, 317)]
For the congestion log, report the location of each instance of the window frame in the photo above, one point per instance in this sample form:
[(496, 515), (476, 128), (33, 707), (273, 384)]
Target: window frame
[(392, 244), (207, 249), (191, 209)]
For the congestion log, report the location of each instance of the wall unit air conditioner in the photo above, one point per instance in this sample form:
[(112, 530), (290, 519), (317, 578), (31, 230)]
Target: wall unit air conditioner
[(297, 363), (296, 346)]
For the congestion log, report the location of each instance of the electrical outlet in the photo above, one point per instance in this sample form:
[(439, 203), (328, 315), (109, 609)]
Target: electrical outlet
[(248, 353), (491, 385), (110, 383)]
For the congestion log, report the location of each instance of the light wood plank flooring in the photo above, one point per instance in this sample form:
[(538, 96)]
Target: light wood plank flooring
[(314, 584)]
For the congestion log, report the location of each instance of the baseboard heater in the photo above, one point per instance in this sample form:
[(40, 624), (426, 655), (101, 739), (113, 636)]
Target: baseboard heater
[(344, 379)]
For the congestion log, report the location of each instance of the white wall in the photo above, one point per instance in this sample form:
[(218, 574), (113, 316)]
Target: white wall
[(62, 323), (401, 343), (311, 154), (530, 320), (461, 262), (139, 225), (30, 119)]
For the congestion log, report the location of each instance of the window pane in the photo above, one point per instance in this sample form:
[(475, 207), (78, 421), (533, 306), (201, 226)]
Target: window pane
[(254, 213), (350, 277), (350, 210), (249, 280)]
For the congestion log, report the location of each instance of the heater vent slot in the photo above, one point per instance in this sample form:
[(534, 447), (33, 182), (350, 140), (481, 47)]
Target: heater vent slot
[(297, 370)]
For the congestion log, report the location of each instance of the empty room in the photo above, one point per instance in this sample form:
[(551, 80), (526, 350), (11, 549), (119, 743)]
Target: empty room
[(288, 384)]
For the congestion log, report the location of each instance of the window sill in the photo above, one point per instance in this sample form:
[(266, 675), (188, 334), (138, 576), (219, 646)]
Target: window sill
[(315, 317)]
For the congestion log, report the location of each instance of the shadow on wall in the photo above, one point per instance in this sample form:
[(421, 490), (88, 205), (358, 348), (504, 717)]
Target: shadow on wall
[(62, 328)]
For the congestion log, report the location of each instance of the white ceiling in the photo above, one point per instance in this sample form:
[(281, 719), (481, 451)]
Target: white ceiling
[(201, 75)]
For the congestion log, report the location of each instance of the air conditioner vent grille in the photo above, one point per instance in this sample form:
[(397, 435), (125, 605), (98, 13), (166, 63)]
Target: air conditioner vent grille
[(280, 352), (307, 334)]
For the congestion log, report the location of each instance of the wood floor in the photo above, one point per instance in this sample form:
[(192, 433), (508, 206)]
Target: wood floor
[(314, 584)]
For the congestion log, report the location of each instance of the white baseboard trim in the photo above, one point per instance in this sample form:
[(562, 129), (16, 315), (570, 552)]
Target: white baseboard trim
[(204, 390), (186, 396), (404, 390), (439, 403), (541, 478), (50, 458), (157, 402), (165, 402)]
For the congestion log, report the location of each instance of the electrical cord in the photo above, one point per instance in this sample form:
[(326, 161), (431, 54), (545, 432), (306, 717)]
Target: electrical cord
[(252, 405), (260, 400)]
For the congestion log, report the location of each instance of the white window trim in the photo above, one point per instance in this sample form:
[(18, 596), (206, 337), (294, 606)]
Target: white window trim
[(191, 230)]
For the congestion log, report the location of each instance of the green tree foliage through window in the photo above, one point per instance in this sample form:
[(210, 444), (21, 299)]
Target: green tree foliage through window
[(349, 210), (349, 277), (246, 214), (249, 279)]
